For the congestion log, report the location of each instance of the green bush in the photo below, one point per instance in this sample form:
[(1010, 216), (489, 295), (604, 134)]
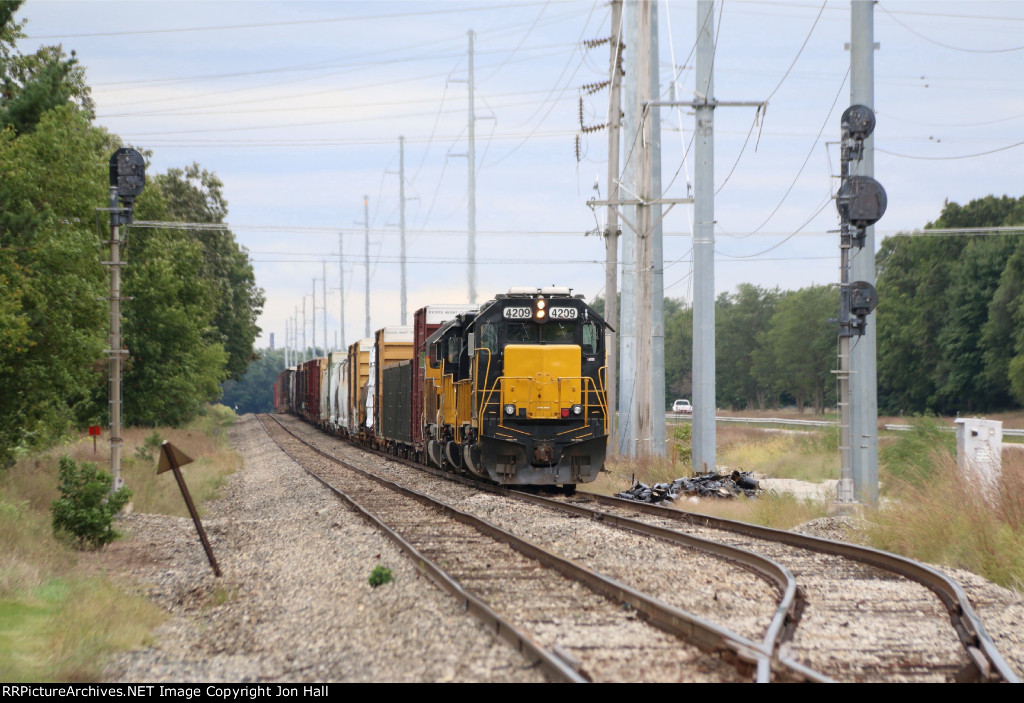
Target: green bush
[(85, 511), (379, 576), (683, 434)]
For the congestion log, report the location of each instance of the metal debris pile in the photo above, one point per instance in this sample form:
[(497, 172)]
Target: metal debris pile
[(701, 485)]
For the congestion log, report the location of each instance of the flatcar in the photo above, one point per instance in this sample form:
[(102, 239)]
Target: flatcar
[(512, 391)]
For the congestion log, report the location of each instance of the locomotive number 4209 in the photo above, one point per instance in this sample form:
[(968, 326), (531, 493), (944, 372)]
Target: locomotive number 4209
[(564, 313), (518, 313)]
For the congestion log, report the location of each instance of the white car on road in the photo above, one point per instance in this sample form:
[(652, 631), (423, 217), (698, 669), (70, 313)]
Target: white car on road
[(682, 406)]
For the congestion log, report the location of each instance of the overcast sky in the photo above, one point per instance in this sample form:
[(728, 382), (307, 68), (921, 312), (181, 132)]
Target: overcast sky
[(298, 107)]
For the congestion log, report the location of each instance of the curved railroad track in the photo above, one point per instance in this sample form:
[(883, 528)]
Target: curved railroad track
[(596, 649), (869, 615)]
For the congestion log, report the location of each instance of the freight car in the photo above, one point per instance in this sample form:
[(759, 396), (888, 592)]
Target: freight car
[(512, 391)]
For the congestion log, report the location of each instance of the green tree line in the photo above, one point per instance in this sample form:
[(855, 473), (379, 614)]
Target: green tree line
[(191, 318)]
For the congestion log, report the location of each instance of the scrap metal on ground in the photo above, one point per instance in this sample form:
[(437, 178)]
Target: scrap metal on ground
[(701, 485)]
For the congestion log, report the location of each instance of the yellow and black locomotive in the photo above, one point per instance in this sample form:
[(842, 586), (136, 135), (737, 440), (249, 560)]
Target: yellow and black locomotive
[(515, 392)]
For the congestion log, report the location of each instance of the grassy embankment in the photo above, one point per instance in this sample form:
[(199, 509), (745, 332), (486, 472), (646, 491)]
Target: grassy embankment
[(59, 617), (929, 511)]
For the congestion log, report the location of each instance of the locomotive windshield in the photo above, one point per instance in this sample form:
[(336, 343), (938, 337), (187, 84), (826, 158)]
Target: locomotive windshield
[(552, 332)]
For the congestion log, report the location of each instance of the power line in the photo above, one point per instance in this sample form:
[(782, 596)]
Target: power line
[(949, 158), (947, 46), (326, 20)]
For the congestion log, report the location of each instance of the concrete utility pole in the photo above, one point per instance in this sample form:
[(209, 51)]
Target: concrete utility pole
[(642, 302), (471, 158), (627, 323), (305, 347), (312, 318), (657, 402), (323, 290), (641, 353), (366, 222), (401, 216), (287, 341), (704, 247), (863, 379), (341, 289), (611, 286)]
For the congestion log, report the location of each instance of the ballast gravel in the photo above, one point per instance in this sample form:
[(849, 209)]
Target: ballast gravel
[(294, 603)]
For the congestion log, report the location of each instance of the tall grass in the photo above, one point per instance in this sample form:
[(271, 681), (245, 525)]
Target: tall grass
[(937, 514), (58, 623)]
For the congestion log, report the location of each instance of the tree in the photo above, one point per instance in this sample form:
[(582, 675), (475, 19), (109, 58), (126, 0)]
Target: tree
[(950, 309), (33, 84), (255, 392), (739, 319), (797, 352), (678, 349), (52, 323), (174, 363), (194, 194)]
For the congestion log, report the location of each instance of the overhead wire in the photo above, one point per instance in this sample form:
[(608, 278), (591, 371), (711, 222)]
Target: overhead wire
[(806, 159), (942, 44)]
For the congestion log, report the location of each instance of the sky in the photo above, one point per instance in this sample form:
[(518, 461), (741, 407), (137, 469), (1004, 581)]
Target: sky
[(298, 108)]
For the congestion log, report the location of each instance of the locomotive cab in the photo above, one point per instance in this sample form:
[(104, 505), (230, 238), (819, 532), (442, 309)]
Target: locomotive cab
[(526, 381)]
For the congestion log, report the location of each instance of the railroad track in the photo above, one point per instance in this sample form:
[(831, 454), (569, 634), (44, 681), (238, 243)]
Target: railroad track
[(870, 615), (905, 621), (610, 630)]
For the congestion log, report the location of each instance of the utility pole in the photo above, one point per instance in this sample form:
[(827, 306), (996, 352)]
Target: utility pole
[(863, 380), (401, 216), (611, 286), (312, 318), (641, 335), (287, 341), (704, 439), (471, 158), (305, 347), (323, 290), (643, 236), (341, 289), (657, 398), (366, 222), (627, 323)]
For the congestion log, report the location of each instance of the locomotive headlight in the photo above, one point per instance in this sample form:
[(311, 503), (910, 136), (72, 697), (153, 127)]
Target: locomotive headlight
[(541, 304), (540, 309), (510, 409)]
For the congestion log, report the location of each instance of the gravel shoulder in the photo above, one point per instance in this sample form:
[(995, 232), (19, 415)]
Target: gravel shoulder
[(294, 604)]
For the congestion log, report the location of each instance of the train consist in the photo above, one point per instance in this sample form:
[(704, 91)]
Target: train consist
[(512, 390)]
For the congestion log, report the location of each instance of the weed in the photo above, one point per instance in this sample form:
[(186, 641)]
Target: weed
[(379, 576), (149, 447), (913, 456), (950, 519)]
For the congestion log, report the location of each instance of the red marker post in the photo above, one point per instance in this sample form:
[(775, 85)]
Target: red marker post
[(94, 432)]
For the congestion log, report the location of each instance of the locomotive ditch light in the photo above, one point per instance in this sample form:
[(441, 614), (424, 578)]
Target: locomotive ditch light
[(510, 409), (577, 410)]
